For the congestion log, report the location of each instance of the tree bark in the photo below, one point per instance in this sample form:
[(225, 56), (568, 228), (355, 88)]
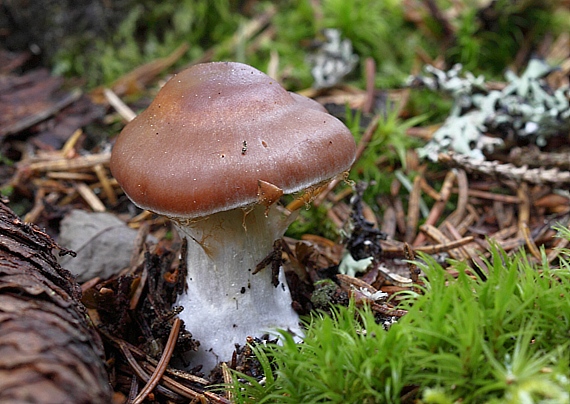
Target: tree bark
[(48, 351)]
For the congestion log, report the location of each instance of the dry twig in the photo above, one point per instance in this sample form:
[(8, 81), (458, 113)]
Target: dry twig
[(495, 169)]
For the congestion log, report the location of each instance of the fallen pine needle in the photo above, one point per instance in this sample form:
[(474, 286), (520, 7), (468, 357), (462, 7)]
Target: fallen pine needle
[(162, 364)]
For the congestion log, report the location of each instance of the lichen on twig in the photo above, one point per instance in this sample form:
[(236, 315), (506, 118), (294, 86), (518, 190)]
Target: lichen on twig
[(552, 176), (482, 119)]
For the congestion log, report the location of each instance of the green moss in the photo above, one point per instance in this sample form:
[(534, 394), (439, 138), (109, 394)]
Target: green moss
[(150, 30), (486, 40), (324, 291), (313, 220), (503, 340), (389, 142)]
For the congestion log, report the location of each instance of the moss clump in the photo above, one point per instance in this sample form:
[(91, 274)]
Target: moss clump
[(463, 340)]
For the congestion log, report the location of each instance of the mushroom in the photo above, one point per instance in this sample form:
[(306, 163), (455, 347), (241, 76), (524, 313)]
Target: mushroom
[(214, 152)]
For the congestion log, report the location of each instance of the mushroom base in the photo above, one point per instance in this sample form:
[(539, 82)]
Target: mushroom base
[(225, 302)]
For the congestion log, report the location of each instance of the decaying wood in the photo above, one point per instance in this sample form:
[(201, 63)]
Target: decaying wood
[(49, 351)]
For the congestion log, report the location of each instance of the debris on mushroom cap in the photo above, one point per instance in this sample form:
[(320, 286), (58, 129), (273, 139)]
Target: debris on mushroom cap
[(214, 131)]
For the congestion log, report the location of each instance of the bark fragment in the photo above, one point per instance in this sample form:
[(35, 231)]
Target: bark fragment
[(48, 352)]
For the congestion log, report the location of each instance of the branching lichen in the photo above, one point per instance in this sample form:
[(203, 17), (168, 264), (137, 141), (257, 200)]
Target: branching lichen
[(481, 119), (333, 60)]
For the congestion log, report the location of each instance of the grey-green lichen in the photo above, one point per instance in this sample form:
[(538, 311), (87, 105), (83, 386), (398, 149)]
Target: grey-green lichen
[(482, 119), (333, 60)]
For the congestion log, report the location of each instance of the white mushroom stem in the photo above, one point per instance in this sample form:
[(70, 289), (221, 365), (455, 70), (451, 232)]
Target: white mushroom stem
[(225, 302)]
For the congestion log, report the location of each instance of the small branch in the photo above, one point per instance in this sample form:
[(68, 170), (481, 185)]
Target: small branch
[(551, 176)]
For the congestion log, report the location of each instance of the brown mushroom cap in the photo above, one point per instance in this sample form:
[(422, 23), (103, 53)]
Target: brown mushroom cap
[(214, 130)]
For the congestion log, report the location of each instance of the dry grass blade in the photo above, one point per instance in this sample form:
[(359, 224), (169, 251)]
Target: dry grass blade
[(398, 205), (370, 68), (388, 310), (355, 286), (394, 279), (71, 176), (524, 209), (137, 293), (305, 198), (397, 248), (468, 220)]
